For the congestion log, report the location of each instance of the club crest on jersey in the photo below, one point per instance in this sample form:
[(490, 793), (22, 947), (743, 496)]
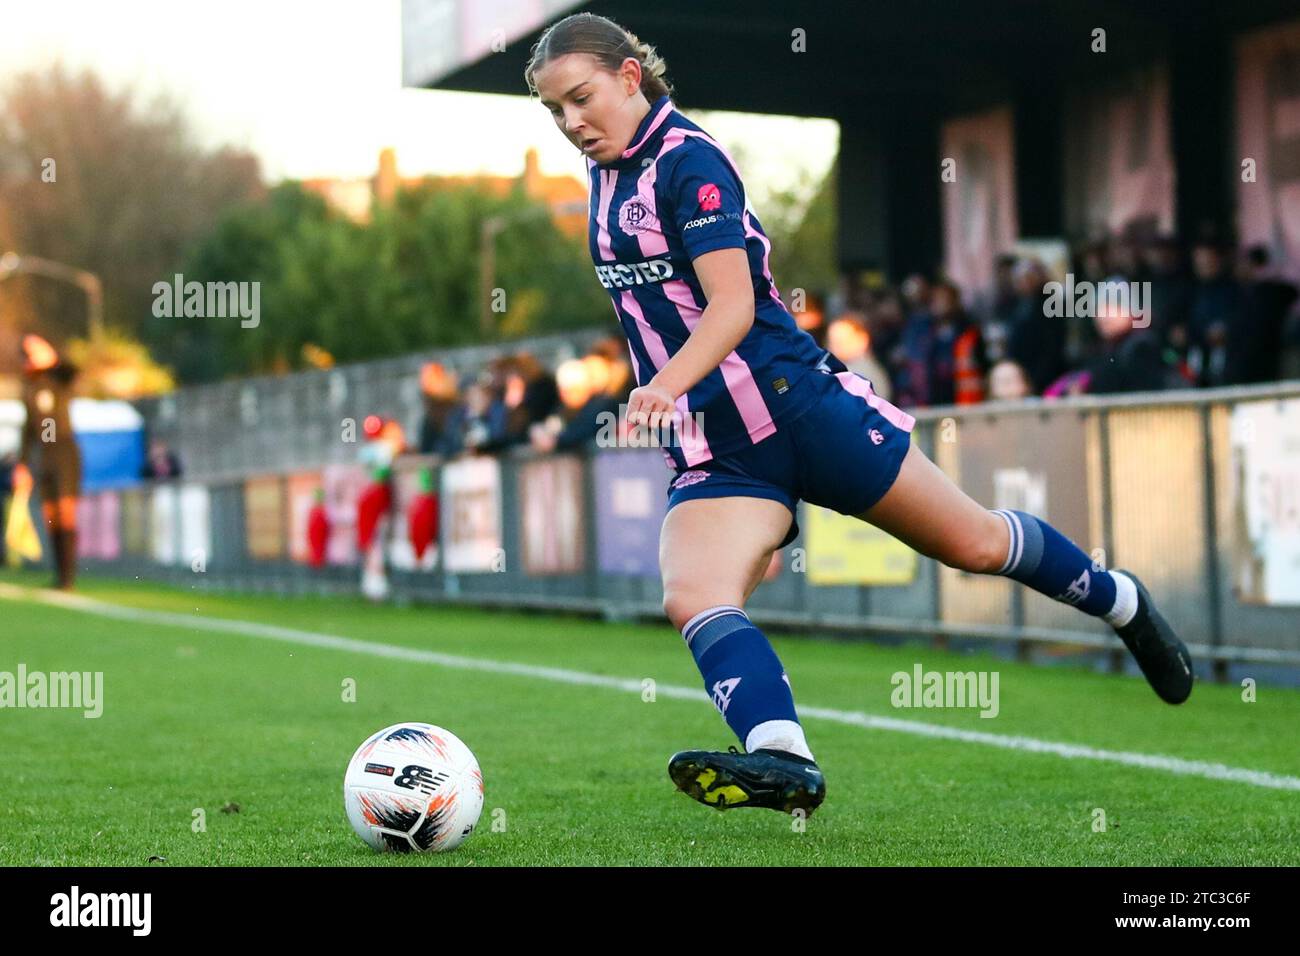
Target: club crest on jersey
[(709, 197), (634, 217)]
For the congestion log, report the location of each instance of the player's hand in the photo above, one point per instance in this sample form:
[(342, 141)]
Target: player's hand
[(651, 405), (22, 478)]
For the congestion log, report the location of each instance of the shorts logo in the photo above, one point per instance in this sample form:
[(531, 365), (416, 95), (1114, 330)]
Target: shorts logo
[(876, 437), (709, 196), (781, 386), (687, 478), (634, 216)]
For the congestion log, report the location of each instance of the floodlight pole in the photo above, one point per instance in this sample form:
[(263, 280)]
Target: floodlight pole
[(87, 282)]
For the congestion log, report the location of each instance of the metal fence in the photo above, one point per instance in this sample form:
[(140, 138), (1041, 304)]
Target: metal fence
[(283, 422), (1147, 482)]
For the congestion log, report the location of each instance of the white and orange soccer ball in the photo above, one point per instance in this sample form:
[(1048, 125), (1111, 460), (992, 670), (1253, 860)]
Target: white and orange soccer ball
[(413, 787)]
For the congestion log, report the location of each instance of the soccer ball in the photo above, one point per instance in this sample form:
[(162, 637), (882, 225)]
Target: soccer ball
[(413, 787)]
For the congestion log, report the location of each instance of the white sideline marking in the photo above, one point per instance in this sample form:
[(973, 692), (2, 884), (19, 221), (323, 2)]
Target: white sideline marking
[(1191, 768)]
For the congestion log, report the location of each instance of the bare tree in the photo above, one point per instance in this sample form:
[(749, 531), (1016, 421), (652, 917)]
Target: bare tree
[(92, 178)]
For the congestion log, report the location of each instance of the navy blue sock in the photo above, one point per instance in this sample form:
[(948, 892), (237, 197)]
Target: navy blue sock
[(741, 672), (1050, 563)]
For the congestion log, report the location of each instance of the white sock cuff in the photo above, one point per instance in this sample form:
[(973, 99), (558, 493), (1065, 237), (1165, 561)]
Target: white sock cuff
[(1015, 540), (1126, 601), (784, 735)]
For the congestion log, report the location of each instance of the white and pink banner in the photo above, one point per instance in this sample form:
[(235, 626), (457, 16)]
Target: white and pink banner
[(1268, 141), (979, 196)]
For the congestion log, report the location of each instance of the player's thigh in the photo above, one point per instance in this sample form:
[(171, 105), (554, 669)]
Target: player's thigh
[(713, 550), (925, 510)]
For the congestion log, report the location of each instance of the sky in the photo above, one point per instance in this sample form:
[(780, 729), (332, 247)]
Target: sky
[(314, 88)]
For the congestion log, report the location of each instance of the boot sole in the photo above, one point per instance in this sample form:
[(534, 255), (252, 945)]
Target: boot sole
[(718, 787)]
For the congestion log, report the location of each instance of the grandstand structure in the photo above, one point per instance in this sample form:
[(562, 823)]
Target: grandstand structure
[(1065, 119)]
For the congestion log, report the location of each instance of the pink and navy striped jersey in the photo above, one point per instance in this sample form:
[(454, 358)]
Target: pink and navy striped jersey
[(675, 194)]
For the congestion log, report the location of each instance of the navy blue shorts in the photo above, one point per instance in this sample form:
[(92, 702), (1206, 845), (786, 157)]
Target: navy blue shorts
[(843, 453)]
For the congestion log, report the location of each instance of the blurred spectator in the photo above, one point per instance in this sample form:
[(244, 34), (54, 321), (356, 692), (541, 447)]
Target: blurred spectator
[(1216, 300), (588, 387), (1008, 382), (161, 463), (885, 322), (916, 294), (1130, 360), (529, 394), (909, 361), (439, 394), (1255, 339), (1171, 293), (481, 422), (1036, 341), (1123, 262), (849, 341), (1092, 262), (1002, 309), (957, 359)]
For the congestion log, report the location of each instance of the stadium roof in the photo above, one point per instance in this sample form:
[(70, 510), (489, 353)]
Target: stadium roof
[(737, 54)]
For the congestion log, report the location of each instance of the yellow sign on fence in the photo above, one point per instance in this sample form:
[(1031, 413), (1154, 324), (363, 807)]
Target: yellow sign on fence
[(844, 550)]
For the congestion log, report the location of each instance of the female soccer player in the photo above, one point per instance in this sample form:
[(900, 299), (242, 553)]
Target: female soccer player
[(764, 417)]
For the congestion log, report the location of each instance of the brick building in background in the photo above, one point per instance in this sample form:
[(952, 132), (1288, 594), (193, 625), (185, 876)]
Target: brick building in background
[(565, 195)]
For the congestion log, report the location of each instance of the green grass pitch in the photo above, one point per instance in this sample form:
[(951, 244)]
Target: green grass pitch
[(200, 719)]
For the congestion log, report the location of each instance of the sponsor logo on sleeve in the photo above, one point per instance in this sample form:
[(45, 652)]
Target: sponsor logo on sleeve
[(708, 220)]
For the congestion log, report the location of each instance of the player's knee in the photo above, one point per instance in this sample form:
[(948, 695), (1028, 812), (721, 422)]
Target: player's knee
[(682, 603), (677, 605), (984, 557), (981, 551)]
